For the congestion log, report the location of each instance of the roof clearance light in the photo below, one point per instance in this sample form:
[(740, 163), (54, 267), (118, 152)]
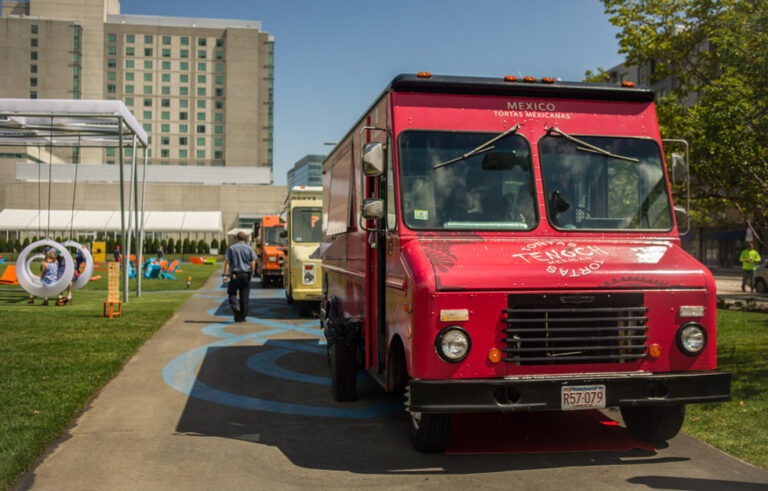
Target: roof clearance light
[(424, 75), (628, 84), (510, 78), (529, 79), (548, 80)]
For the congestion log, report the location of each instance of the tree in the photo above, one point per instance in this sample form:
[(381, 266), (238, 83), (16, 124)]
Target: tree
[(716, 51)]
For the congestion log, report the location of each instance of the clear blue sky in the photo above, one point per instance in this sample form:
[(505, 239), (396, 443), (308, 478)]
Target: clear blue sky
[(333, 57)]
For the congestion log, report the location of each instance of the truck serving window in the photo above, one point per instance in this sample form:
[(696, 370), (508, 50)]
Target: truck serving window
[(604, 183), (490, 190)]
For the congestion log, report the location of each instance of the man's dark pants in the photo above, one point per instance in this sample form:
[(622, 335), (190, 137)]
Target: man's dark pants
[(239, 285)]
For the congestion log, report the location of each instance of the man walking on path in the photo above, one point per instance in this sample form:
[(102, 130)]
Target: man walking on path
[(750, 259), (239, 265)]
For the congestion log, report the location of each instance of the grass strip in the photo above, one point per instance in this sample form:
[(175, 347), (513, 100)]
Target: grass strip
[(54, 359), (738, 427)]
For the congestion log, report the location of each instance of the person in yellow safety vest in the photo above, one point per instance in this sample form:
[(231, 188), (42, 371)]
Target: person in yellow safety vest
[(750, 259)]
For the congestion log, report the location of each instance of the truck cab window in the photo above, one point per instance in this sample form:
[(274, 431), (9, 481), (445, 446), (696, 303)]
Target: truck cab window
[(589, 190), (491, 190)]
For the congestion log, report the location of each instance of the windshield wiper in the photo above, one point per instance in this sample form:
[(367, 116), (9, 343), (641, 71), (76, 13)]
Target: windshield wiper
[(586, 147), (485, 147)]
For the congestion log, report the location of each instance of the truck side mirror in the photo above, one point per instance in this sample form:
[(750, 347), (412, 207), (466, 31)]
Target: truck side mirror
[(373, 209), (373, 159), (679, 169), (283, 233)]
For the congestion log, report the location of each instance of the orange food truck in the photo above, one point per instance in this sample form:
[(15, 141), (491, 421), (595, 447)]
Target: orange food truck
[(270, 249), (498, 245)]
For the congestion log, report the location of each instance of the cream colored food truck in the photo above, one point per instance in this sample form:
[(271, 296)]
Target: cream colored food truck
[(303, 213)]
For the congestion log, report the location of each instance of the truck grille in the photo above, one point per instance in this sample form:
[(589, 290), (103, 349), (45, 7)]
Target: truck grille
[(570, 329)]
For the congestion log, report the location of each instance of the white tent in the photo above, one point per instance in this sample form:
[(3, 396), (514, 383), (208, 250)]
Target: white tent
[(81, 123), (109, 221)]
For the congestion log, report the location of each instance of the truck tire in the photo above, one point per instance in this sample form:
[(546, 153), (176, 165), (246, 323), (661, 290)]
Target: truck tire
[(654, 423), (760, 285), (263, 280), (429, 432), (343, 372)]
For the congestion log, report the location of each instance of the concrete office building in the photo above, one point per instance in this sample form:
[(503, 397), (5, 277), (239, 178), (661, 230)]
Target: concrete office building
[(202, 89)]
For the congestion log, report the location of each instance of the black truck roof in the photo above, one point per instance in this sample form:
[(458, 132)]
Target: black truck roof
[(450, 84)]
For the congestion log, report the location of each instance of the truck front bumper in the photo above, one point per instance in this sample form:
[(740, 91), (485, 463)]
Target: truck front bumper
[(541, 393)]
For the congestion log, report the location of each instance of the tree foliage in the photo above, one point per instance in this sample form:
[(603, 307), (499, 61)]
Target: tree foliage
[(716, 51)]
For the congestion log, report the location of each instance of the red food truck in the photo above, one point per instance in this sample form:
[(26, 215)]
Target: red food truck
[(498, 245)]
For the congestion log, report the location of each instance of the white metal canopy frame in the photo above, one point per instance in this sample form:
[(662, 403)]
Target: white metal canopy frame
[(83, 123)]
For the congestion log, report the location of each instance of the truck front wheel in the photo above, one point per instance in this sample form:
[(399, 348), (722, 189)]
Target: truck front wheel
[(654, 423), (430, 432)]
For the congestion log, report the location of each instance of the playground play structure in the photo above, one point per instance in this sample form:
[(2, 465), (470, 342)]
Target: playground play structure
[(76, 124)]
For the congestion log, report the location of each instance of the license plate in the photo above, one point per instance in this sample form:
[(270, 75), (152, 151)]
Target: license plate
[(582, 397)]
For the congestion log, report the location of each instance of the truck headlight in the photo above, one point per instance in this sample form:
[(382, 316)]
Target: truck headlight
[(453, 344), (272, 259), (308, 276), (691, 338)]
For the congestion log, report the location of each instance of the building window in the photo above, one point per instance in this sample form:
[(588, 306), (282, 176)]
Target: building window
[(165, 103), (148, 64), (33, 55), (183, 128), (147, 90), (129, 76), (111, 76), (165, 90), (165, 128), (202, 67), (219, 68), (201, 154), (166, 65), (148, 77), (185, 53), (147, 115), (201, 116), (166, 40), (183, 116), (218, 154), (32, 68), (112, 89), (165, 115), (130, 38), (184, 41), (166, 53), (201, 91), (201, 79), (201, 103), (182, 154), (184, 78), (202, 54), (148, 39), (147, 102), (219, 92), (201, 128), (33, 29), (130, 64), (184, 65), (129, 101), (202, 41), (130, 51), (166, 77), (111, 63), (111, 37), (33, 82), (183, 103), (183, 90), (129, 89), (147, 51), (33, 43), (165, 153)]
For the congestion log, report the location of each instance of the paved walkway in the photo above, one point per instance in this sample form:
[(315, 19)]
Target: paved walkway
[(207, 404)]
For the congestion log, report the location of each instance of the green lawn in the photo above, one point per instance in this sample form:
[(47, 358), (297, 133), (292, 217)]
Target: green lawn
[(54, 359), (738, 427)]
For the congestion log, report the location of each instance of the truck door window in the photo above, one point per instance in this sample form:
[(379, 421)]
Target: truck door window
[(585, 189), (307, 224), (490, 190)]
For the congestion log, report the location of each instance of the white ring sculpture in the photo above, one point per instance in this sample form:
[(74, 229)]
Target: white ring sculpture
[(31, 282), (85, 276)]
